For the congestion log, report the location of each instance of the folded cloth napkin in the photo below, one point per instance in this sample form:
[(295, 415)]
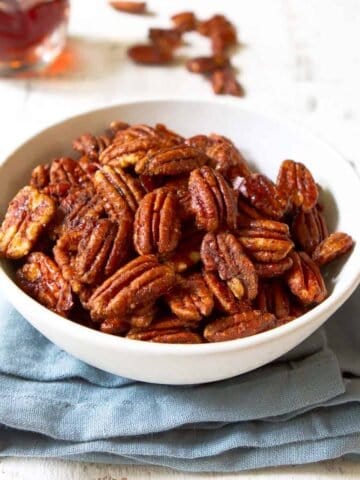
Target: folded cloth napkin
[(305, 407)]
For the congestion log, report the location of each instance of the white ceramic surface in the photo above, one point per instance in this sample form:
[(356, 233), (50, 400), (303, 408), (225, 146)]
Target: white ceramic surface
[(265, 142)]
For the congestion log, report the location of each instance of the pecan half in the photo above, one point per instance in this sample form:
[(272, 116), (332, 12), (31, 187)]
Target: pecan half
[(28, 214), (226, 300), (246, 213), (309, 229), (184, 21), (212, 200), (41, 278), (332, 247), (66, 170), (179, 185), (171, 161), (296, 183), (165, 38), (239, 325), (40, 177), (180, 335), (224, 82), (150, 54), (219, 25), (274, 297), (191, 299), (305, 279), (222, 252), (91, 145), (127, 153), (115, 326), (262, 194), (157, 225), (119, 190), (206, 64), (266, 240), (187, 254), (269, 270), (128, 7), (135, 284)]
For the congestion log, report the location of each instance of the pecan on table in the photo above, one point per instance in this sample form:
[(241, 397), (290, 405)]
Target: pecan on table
[(212, 200), (41, 278), (175, 160), (224, 82), (206, 64), (28, 214), (266, 240), (262, 194), (184, 21), (165, 38), (157, 225), (332, 247), (166, 330), (220, 30), (128, 6), (137, 283), (296, 183), (309, 229), (91, 145), (305, 279), (191, 300), (226, 300), (239, 325), (223, 253)]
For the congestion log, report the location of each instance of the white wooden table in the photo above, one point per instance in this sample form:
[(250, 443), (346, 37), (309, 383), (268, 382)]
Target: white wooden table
[(299, 58)]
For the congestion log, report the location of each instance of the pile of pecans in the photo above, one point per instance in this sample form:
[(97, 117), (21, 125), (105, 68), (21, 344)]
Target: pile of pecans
[(155, 237), (217, 67)]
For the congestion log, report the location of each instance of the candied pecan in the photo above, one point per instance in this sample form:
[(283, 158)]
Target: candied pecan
[(212, 200), (168, 137), (191, 299), (274, 297), (225, 298), (28, 214), (305, 279), (128, 7), (157, 226), (188, 252), (119, 190), (65, 252), (222, 252), (88, 166), (224, 82), (171, 161), (332, 247), (239, 325), (143, 316), (165, 336), (296, 183), (269, 270), (135, 284), (150, 54), (91, 145), (41, 278), (262, 194), (66, 170), (165, 38), (266, 240), (127, 153), (184, 21), (309, 229), (222, 33), (40, 177), (117, 125), (206, 64), (179, 185), (226, 158), (115, 326)]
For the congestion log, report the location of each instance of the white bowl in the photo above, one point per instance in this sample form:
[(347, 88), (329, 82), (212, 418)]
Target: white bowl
[(265, 142)]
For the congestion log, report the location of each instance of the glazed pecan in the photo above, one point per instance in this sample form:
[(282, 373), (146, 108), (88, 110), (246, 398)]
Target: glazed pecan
[(171, 161), (246, 212), (212, 200), (274, 297), (184, 21), (165, 38), (222, 252), (41, 278), (119, 190), (206, 64), (115, 326), (269, 270), (127, 153), (137, 283), (224, 82), (187, 254), (140, 318), (150, 54), (305, 279), (40, 177), (179, 185), (218, 24), (91, 145), (90, 167), (191, 299), (176, 335), (128, 7), (239, 325), (157, 226), (332, 247), (65, 170), (168, 137), (296, 183), (262, 194), (226, 300), (28, 214), (266, 240), (309, 229)]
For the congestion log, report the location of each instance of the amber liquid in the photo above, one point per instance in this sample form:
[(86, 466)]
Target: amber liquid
[(23, 28)]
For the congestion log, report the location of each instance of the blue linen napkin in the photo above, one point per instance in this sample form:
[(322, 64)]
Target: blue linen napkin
[(305, 407)]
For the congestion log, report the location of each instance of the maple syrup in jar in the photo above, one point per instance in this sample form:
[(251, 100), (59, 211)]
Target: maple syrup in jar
[(32, 33)]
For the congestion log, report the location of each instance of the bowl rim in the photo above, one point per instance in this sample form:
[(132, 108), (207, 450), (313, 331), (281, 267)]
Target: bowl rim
[(325, 309)]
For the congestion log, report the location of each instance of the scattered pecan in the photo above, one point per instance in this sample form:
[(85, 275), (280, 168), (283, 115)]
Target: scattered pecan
[(309, 229), (128, 7), (266, 240), (296, 183), (332, 247), (184, 21), (226, 300), (157, 225), (305, 280), (212, 200), (224, 82), (191, 300), (165, 38), (171, 161), (206, 64), (268, 270), (90, 145), (239, 325), (28, 214), (40, 177), (150, 54), (137, 283), (41, 278)]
